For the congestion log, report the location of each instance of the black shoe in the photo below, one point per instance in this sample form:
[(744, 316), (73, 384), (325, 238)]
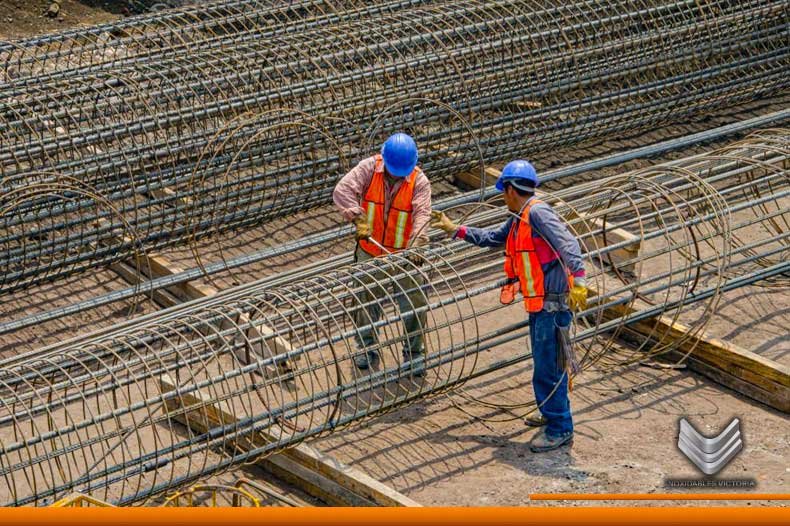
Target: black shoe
[(366, 360)]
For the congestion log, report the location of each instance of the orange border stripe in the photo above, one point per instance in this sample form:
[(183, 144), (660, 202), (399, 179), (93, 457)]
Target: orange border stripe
[(660, 496), (600, 516)]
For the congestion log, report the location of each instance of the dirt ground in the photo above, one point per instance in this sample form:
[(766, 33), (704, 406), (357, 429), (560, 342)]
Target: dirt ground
[(25, 18), (626, 423)]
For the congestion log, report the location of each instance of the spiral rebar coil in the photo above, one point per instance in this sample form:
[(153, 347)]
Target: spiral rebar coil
[(188, 141)]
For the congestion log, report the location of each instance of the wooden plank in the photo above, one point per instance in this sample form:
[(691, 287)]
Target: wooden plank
[(155, 265), (169, 193), (266, 343), (779, 399), (151, 266), (321, 468), (349, 477), (472, 179), (311, 482), (745, 371), (720, 354), (208, 416), (160, 266), (529, 104), (593, 228), (163, 298)]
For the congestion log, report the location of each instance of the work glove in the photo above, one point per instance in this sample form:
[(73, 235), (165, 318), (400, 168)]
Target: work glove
[(577, 297), (507, 294), (363, 228), (440, 220)]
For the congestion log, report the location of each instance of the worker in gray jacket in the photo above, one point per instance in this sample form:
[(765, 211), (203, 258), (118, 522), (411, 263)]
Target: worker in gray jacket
[(542, 259)]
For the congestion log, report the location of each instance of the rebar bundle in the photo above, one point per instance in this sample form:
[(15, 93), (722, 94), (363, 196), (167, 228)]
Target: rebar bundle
[(264, 366), (151, 150), (152, 36)]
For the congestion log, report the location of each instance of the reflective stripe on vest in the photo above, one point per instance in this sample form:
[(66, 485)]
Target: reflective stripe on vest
[(521, 261), (394, 231)]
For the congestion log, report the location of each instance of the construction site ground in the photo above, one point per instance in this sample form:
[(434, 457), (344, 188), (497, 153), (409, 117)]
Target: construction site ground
[(448, 450), (25, 18)]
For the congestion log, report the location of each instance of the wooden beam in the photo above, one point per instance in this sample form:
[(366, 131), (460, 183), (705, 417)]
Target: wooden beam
[(621, 257), (778, 400), (169, 193), (155, 265), (163, 298), (311, 482), (320, 475), (160, 266), (472, 179), (349, 477), (742, 370), (264, 338)]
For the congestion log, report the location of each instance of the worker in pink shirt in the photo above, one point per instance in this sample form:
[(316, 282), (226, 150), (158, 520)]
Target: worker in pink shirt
[(388, 198)]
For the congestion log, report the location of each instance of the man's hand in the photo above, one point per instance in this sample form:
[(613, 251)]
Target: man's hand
[(415, 258), (363, 228), (440, 220), (577, 297)]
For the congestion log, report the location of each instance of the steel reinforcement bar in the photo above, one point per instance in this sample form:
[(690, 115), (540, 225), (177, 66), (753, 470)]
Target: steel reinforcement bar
[(150, 153), (267, 365)]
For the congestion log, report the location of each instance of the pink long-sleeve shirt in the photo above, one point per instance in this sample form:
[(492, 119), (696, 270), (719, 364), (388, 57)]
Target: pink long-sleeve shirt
[(352, 187)]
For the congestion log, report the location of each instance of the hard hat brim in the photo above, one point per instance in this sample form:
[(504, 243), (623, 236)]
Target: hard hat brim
[(500, 184), (396, 171)]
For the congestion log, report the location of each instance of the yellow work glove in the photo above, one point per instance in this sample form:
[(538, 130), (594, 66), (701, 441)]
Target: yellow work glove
[(440, 220), (363, 228), (577, 297)]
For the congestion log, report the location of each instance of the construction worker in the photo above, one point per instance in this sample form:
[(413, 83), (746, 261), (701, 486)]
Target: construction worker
[(542, 258), (388, 198)]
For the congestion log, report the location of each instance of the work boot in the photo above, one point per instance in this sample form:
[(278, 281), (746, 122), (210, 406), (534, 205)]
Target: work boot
[(366, 360), (417, 365), (545, 442), (536, 420)]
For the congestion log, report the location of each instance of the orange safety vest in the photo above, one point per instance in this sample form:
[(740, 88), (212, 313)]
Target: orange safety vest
[(521, 260), (393, 232)]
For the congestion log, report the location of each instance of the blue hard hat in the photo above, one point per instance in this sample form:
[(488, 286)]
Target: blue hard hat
[(520, 174), (400, 154)]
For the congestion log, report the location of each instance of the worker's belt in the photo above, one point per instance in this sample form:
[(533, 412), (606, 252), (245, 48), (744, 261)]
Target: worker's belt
[(555, 302)]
